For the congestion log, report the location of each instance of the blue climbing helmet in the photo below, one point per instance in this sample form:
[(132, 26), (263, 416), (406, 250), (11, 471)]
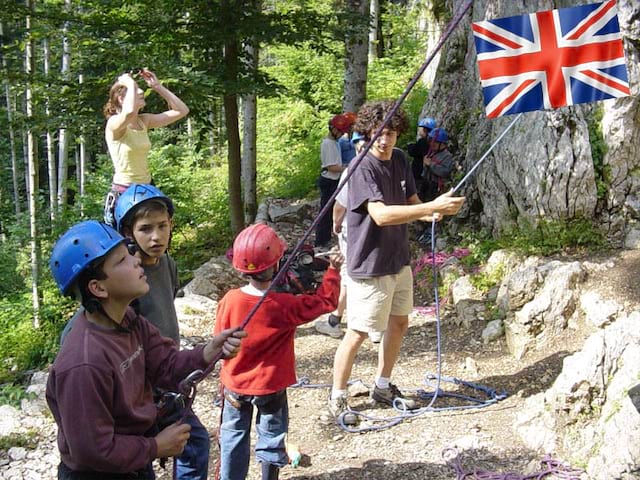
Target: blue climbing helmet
[(81, 245), (439, 135), (358, 137), (135, 195), (428, 123)]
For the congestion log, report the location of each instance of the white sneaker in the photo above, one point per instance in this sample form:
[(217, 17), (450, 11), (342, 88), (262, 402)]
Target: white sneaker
[(376, 337), (322, 326)]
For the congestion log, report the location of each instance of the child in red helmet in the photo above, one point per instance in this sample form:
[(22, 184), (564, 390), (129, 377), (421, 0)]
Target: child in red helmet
[(265, 367)]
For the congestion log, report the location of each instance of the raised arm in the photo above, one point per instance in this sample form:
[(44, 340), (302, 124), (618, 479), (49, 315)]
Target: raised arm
[(117, 124), (177, 108)]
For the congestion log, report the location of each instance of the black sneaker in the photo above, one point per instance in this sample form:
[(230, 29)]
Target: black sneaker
[(389, 395)]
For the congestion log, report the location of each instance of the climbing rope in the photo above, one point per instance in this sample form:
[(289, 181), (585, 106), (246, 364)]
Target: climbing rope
[(550, 467)]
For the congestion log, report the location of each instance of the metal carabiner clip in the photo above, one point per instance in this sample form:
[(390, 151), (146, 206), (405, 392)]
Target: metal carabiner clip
[(188, 386)]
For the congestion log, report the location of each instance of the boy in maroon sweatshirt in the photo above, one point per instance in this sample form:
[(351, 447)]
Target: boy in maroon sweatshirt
[(100, 385), (265, 366)]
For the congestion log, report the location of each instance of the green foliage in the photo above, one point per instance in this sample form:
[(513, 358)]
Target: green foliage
[(484, 281), (11, 394), (26, 440), (23, 347), (481, 245), (289, 150), (544, 239), (551, 237), (598, 151)]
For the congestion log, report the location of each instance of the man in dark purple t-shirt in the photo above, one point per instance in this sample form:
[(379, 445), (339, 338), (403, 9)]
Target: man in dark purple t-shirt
[(382, 200)]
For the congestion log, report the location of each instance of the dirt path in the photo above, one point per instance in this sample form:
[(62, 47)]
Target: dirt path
[(414, 448)]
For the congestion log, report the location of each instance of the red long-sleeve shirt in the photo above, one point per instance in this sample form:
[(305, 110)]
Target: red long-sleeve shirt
[(266, 361)]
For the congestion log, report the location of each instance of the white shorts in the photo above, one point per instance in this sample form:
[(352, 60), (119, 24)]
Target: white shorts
[(370, 301)]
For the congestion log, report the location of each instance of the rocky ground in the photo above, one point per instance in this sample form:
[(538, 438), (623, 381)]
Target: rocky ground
[(416, 448)]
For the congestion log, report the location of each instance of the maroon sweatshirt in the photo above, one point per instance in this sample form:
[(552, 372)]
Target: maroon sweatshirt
[(100, 393)]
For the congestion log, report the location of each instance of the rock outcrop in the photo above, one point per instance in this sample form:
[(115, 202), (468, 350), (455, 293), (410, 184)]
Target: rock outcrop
[(551, 164)]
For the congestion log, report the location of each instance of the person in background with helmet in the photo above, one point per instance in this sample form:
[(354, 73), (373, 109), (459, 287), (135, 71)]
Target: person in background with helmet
[(418, 150), (347, 149), (260, 374), (438, 165), (99, 388), (331, 162)]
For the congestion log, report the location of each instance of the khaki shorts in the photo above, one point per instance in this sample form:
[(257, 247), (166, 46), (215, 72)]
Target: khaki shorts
[(370, 301)]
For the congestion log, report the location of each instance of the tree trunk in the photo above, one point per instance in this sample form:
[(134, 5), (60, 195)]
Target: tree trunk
[(249, 175), (51, 155), (33, 171), (233, 137), (374, 18), (12, 139), (83, 162), (249, 114), (63, 138), (356, 64)]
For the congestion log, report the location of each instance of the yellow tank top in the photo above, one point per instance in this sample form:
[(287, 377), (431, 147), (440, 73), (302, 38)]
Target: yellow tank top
[(129, 156)]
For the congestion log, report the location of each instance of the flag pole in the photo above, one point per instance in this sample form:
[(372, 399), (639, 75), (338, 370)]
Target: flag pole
[(486, 154)]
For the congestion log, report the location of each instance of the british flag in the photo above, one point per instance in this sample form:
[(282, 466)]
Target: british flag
[(550, 59)]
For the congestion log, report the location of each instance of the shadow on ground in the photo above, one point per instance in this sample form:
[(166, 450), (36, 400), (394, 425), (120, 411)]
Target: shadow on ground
[(457, 464)]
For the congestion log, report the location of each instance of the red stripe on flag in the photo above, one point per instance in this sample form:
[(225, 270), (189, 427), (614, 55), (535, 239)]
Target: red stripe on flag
[(603, 10), (606, 81), (496, 37), (498, 110)]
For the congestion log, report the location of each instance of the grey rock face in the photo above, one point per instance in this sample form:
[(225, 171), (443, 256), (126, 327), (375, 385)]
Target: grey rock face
[(544, 167)]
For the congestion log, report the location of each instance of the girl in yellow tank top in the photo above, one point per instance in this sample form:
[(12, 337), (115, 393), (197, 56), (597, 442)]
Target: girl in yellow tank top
[(126, 132)]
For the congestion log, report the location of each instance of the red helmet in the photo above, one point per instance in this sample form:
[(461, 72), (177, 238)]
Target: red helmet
[(351, 117), (257, 248), (340, 123)]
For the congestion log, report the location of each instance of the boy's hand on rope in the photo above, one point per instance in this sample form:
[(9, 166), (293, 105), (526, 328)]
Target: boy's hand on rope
[(171, 441), (336, 259), (227, 342)]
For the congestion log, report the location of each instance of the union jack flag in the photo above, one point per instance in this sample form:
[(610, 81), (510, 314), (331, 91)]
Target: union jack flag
[(550, 59)]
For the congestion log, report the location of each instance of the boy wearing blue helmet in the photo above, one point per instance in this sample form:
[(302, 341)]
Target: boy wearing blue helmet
[(144, 215), (100, 385), (438, 165), (418, 150)]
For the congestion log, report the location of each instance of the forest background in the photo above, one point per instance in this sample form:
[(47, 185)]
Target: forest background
[(261, 79)]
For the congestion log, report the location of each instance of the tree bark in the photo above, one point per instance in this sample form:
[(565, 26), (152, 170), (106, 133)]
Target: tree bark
[(63, 138), (12, 139), (33, 170), (356, 61), (250, 114), (83, 162), (51, 155), (374, 18), (233, 137)]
